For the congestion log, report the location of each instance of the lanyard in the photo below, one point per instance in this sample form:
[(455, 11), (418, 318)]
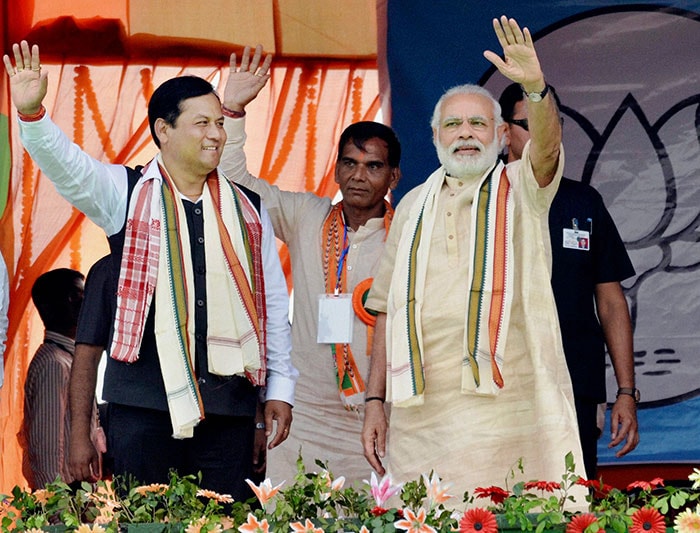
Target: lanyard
[(341, 260)]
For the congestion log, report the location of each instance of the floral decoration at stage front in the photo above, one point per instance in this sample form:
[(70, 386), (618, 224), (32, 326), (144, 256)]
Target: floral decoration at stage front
[(318, 502)]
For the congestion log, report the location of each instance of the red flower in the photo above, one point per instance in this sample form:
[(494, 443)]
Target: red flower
[(647, 520), (646, 485), (478, 520), (378, 511), (600, 489), (547, 486), (580, 522), (497, 494)]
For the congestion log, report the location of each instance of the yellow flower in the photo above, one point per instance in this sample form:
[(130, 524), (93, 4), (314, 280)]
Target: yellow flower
[(688, 521), (221, 498), (42, 496)]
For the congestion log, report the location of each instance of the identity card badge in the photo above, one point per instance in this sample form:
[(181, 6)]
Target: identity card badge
[(576, 239), (335, 319)]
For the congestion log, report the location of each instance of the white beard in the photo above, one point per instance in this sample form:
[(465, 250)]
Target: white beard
[(468, 166)]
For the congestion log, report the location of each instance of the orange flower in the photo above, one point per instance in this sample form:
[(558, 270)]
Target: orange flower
[(42, 496), (157, 488), (478, 520), (254, 526), (195, 526), (221, 498), (646, 485), (264, 491), (497, 494), (307, 527), (414, 523), (581, 522), (436, 491), (647, 520)]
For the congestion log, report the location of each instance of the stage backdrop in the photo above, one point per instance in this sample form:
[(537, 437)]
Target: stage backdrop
[(629, 80)]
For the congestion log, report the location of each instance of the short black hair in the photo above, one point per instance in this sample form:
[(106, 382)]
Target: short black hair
[(361, 132), (513, 94), (51, 294), (166, 100)]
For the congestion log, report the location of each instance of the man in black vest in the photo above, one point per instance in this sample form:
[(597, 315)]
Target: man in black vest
[(200, 326)]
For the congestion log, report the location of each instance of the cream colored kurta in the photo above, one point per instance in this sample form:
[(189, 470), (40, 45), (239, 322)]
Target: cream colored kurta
[(474, 441), (322, 428)]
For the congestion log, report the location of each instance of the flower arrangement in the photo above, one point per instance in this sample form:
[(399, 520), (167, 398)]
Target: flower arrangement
[(318, 502)]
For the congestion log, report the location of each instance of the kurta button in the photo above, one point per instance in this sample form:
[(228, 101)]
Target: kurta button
[(201, 381), (449, 214), (451, 237), (200, 240), (199, 337), (200, 303), (197, 211)]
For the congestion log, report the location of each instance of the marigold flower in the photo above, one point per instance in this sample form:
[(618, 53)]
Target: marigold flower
[(497, 494), (546, 486), (647, 520), (688, 521), (414, 523), (580, 522), (253, 525), (221, 498), (307, 527), (478, 520)]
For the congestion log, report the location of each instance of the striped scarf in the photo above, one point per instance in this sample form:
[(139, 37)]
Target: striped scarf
[(351, 386), (489, 297), (156, 246)]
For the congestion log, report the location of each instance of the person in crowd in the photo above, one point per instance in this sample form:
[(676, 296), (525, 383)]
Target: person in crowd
[(200, 323), (586, 273), (334, 250), (57, 295), (467, 346)]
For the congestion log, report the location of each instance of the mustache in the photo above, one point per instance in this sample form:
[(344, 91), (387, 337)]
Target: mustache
[(458, 145)]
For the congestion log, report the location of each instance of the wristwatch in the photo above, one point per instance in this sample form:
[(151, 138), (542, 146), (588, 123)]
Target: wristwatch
[(537, 97), (634, 392)]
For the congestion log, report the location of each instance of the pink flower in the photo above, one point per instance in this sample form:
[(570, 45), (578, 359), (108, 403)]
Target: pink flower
[(478, 520), (307, 527), (497, 494), (581, 522), (253, 526), (436, 492), (414, 523), (264, 492), (647, 520), (383, 490)]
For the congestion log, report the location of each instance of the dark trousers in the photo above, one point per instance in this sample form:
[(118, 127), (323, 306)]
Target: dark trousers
[(142, 446), (587, 415)]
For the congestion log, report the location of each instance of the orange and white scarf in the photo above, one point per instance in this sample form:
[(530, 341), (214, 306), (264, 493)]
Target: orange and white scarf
[(351, 386), (489, 297), (156, 247)]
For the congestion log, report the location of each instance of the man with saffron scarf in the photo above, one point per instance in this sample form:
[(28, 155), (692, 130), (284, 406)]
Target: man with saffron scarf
[(334, 250), (200, 321), (467, 346)]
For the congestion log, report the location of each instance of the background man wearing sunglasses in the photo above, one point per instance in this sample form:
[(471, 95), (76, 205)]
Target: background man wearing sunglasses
[(587, 269)]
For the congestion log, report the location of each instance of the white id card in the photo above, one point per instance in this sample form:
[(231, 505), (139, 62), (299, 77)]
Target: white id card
[(576, 239), (335, 319)]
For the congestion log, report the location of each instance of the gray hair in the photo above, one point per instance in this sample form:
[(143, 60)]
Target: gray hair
[(466, 89)]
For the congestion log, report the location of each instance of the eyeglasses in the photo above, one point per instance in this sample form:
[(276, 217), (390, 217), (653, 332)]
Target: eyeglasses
[(522, 122)]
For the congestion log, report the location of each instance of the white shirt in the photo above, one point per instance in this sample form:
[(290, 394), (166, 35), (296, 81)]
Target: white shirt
[(100, 190)]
